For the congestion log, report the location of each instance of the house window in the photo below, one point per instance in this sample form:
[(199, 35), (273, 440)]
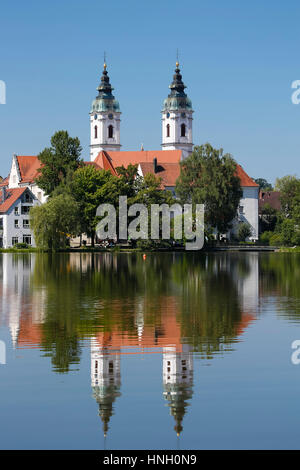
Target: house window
[(27, 198), (168, 130), (182, 127), (25, 223), (16, 223), (241, 209), (25, 210), (96, 132), (1, 224), (27, 239), (110, 132), (16, 211), (14, 240)]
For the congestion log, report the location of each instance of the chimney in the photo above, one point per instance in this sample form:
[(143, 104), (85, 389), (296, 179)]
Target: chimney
[(155, 164)]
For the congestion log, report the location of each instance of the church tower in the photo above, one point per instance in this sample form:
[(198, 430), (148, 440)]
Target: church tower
[(105, 380), (104, 119), (178, 377), (177, 118)]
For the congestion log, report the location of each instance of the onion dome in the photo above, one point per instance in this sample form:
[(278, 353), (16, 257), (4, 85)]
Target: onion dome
[(105, 101), (177, 99)]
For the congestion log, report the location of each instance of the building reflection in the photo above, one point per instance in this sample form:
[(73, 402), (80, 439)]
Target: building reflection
[(174, 306), (178, 376), (105, 379)]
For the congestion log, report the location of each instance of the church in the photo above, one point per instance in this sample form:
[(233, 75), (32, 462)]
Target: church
[(106, 153)]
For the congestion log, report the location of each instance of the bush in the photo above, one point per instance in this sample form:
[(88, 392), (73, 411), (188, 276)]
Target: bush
[(265, 237), (21, 246), (244, 231), (276, 240)]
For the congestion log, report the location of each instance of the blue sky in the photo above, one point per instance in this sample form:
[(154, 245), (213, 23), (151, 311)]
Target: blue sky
[(238, 62)]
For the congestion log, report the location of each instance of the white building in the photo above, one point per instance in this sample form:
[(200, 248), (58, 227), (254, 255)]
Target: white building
[(15, 205)]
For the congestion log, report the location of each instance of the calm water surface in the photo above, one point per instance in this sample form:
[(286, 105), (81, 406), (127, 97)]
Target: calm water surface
[(178, 351)]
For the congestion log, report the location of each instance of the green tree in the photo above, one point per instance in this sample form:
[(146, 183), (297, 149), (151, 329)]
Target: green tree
[(244, 231), (289, 187), (268, 218), (263, 184), (90, 188), (55, 221), (61, 158), (209, 177), (129, 181)]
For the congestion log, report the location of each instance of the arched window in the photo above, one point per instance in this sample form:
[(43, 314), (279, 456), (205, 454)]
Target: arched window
[(110, 132), (182, 130), (96, 132), (168, 130)]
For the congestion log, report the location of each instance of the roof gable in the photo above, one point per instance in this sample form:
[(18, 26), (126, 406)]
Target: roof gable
[(11, 196)]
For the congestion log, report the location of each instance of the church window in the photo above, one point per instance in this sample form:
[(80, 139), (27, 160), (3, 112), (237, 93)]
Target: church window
[(182, 130), (168, 130), (96, 132), (110, 132), (111, 367)]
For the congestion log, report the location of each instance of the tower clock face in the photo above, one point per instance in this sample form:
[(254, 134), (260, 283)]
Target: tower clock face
[(95, 116), (168, 115), (183, 115), (110, 116)]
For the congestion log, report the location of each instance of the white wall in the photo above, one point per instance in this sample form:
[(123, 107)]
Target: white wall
[(249, 202), (103, 142)]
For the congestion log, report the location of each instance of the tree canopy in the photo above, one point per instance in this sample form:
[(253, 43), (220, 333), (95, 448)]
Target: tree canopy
[(55, 221), (58, 160), (209, 177)]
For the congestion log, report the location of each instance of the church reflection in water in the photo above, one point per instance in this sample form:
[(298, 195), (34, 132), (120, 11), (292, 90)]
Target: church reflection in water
[(173, 305)]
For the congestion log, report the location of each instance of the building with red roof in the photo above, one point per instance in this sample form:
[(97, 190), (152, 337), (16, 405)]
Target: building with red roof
[(15, 205)]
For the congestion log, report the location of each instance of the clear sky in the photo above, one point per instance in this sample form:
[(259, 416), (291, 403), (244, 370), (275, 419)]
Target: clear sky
[(238, 61)]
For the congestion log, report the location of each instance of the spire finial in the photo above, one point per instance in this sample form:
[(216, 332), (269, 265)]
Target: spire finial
[(177, 58), (104, 65)]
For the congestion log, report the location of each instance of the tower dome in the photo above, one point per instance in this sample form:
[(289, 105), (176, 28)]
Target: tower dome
[(177, 98), (105, 100)]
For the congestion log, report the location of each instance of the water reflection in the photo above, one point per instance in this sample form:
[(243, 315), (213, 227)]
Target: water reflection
[(175, 305)]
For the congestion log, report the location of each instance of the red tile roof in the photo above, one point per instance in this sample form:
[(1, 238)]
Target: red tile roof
[(125, 158), (12, 195), (4, 182), (28, 166), (168, 172), (244, 178)]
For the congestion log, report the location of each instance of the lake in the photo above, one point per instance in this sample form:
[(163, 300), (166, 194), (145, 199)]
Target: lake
[(175, 351)]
